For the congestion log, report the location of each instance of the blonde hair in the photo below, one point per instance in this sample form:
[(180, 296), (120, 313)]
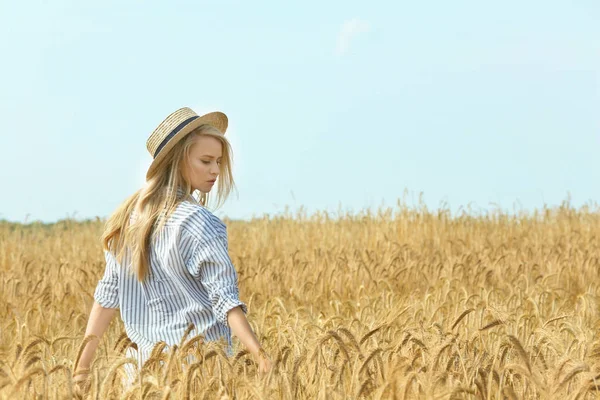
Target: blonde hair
[(157, 200)]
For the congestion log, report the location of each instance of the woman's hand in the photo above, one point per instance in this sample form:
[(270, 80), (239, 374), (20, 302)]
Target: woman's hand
[(264, 365), (82, 381), (264, 361)]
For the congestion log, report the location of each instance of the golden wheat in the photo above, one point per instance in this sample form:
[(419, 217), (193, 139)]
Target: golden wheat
[(397, 304)]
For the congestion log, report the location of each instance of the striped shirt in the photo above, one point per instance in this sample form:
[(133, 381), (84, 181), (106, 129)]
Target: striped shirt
[(191, 279)]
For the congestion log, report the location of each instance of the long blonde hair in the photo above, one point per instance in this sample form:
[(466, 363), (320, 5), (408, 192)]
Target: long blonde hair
[(157, 200)]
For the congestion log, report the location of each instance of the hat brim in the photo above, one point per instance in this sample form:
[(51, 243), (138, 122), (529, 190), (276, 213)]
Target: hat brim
[(216, 119)]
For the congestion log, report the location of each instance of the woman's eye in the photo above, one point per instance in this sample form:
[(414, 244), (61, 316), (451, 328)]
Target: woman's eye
[(205, 162)]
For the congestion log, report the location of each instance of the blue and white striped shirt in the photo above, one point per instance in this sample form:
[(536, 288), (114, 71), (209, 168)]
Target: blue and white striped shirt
[(191, 279)]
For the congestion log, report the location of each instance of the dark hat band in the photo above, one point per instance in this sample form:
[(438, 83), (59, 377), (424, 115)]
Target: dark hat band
[(173, 133)]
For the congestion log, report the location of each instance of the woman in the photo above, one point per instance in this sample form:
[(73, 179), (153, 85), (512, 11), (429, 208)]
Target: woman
[(167, 262)]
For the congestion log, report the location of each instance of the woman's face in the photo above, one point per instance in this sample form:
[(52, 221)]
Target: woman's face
[(203, 165)]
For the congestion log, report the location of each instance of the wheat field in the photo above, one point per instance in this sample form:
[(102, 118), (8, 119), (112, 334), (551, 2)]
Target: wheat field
[(402, 303)]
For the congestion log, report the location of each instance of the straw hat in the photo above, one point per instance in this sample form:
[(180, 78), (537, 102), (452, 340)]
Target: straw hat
[(174, 128)]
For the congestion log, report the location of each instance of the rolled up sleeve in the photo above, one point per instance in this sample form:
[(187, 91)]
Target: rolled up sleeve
[(107, 289), (211, 264)]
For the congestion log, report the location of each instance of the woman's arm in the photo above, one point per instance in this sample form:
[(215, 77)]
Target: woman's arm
[(241, 328), (98, 321)]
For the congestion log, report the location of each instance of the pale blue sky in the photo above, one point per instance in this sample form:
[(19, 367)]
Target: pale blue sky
[(330, 103)]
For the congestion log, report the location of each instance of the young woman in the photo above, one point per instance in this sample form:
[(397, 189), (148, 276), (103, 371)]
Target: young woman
[(167, 262)]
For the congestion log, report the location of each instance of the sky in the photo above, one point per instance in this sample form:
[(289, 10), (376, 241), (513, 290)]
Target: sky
[(339, 105)]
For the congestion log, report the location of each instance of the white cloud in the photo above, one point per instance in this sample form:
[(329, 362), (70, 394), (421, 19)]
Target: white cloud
[(350, 28)]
